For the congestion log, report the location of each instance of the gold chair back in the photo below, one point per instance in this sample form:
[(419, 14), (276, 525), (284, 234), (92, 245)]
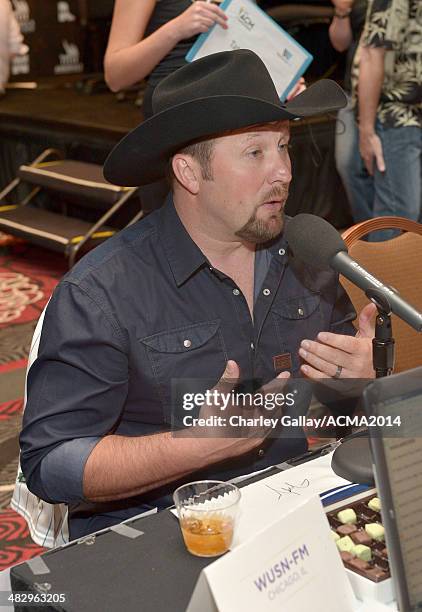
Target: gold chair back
[(398, 263)]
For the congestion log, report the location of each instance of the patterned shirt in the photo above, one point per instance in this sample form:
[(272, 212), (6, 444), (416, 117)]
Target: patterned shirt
[(396, 25)]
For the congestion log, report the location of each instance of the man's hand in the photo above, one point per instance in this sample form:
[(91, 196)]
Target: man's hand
[(371, 148), (228, 439), (124, 466), (333, 352)]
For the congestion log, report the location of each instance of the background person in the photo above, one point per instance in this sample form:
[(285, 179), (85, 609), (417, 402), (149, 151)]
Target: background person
[(11, 41), (345, 32), (390, 107), (150, 39)]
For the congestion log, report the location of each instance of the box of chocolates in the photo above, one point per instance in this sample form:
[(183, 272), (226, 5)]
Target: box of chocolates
[(358, 532)]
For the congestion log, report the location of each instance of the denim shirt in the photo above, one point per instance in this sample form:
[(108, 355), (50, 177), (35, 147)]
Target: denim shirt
[(147, 308)]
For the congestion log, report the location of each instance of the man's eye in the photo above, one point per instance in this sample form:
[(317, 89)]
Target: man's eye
[(255, 153), (283, 147)]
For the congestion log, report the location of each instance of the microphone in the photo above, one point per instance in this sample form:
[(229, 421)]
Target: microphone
[(317, 243)]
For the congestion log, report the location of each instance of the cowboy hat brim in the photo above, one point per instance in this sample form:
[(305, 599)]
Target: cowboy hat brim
[(142, 155)]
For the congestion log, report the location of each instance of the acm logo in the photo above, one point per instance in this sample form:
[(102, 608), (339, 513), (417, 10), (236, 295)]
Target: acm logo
[(245, 19)]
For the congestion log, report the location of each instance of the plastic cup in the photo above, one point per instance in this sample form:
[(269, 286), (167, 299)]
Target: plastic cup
[(207, 512)]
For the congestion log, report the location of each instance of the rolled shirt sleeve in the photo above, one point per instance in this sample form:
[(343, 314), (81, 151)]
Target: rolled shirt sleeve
[(61, 470), (76, 390)]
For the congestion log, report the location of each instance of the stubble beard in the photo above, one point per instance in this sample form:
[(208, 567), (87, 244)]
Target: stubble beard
[(259, 231)]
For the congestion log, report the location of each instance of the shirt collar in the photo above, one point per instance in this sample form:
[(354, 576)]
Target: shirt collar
[(278, 246), (183, 254)]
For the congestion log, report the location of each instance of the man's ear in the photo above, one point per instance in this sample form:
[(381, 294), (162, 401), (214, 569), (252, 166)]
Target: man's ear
[(186, 171)]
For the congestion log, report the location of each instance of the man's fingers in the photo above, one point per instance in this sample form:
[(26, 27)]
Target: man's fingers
[(309, 350), (348, 344), (283, 375), (369, 164), (274, 385), (313, 373), (231, 373), (366, 323), (354, 354), (379, 156), (229, 378), (380, 162), (326, 366)]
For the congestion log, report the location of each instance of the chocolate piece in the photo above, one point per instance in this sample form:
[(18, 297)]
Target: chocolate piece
[(361, 537), (346, 556), (381, 561), (347, 516), (358, 564), (346, 529)]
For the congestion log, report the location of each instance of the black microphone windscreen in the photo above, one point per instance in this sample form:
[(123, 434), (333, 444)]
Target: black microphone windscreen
[(313, 240)]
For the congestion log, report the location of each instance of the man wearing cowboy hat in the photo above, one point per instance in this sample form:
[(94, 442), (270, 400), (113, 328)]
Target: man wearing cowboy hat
[(201, 289)]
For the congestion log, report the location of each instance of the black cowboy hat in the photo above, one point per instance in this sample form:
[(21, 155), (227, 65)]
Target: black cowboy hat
[(220, 92)]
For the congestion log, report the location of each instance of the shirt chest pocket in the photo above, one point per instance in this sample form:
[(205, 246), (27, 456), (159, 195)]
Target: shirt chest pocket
[(295, 320), (196, 352)]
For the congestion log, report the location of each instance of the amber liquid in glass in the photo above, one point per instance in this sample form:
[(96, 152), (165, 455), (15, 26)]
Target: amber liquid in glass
[(207, 537)]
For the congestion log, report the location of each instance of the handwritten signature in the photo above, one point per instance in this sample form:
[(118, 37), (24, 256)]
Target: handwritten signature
[(289, 488)]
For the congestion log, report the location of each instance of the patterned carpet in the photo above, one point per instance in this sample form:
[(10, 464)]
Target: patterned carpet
[(28, 276)]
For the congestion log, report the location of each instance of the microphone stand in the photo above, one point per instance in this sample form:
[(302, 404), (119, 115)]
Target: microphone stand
[(344, 461), (383, 344)]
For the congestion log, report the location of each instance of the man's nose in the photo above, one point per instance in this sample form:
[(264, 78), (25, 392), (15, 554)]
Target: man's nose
[(281, 169)]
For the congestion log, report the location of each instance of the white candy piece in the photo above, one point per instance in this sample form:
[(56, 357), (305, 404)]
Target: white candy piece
[(375, 504), (347, 516), (375, 531), (345, 544), (362, 552)]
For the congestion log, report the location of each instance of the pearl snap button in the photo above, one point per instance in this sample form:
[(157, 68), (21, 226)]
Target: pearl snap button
[(236, 291), (261, 452), (266, 292), (187, 343), (300, 311), (282, 251)]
